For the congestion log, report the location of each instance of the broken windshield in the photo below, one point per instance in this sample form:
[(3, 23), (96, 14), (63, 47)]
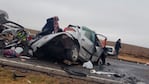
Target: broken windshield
[(89, 34)]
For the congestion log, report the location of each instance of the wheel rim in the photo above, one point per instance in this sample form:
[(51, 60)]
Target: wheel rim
[(74, 54)]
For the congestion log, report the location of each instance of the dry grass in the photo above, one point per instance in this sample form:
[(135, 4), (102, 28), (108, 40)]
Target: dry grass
[(134, 51), (133, 59), (6, 77)]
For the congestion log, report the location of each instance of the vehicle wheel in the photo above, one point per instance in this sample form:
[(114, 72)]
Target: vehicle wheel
[(73, 53), (38, 54)]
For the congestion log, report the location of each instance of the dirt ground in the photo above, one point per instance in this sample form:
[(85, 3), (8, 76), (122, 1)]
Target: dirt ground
[(133, 59), (7, 76)]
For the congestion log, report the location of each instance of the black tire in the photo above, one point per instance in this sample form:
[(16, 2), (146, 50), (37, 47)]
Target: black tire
[(73, 53), (38, 54)]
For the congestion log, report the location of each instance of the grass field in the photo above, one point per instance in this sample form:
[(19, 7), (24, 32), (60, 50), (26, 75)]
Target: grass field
[(6, 77), (133, 53), (133, 59), (31, 77)]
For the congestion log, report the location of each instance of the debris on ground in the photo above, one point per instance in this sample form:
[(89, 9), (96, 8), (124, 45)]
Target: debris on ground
[(14, 39), (88, 65), (13, 52), (29, 82), (23, 60), (101, 72), (132, 80), (24, 57), (14, 76), (108, 64), (146, 64), (75, 72), (67, 62), (107, 73)]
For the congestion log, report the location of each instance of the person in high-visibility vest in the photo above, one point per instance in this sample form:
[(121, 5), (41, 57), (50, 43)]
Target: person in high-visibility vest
[(21, 35), (22, 40)]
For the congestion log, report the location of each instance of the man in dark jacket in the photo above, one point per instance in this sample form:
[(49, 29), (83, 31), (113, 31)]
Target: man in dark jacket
[(51, 26), (117, 46)]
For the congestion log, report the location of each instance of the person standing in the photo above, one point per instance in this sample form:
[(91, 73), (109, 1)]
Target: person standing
[(104, 55), (52, 26), (117, 46), (104, 43), (56, 25)]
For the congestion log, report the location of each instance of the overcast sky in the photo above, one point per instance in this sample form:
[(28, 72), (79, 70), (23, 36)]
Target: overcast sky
[(125, 19)]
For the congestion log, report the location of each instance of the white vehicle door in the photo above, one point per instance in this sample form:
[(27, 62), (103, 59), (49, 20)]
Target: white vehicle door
[(99, 48), (87, 43)]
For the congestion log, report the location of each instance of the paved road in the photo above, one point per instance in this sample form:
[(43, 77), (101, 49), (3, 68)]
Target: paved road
[(131, 73), (127, 72)]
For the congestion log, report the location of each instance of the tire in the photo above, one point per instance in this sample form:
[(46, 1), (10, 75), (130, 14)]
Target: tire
[(38, 54), (73, 53)]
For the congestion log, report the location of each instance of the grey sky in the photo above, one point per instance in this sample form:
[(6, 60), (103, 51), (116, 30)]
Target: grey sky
[(125, 19)]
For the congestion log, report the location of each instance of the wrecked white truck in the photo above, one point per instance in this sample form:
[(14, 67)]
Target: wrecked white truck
[(75, 44)]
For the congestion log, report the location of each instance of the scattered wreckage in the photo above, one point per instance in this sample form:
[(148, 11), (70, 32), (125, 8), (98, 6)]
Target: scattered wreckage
[(75, 43), (13, 37)]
